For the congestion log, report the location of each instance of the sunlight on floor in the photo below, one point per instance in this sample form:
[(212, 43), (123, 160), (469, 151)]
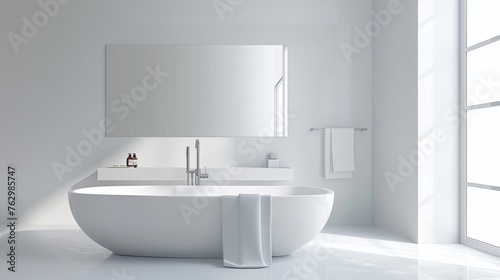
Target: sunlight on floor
[(337, 253)]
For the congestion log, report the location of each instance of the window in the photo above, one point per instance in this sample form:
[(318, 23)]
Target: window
[(480, 73)]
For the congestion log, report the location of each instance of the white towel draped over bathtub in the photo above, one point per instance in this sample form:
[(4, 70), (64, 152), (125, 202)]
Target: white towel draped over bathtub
[(339, 153), (246, 230)]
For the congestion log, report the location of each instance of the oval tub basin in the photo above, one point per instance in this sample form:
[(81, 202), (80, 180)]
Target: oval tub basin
[(185, 221)]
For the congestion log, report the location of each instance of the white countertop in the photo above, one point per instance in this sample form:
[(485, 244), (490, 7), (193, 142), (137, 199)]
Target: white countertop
[(179, 174)]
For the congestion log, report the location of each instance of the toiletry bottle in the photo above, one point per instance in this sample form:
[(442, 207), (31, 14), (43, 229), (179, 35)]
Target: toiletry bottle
[(129, 160), (273, 161), (134, 161)]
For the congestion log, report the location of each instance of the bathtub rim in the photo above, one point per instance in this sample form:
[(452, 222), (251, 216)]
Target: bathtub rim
[(326, 192)]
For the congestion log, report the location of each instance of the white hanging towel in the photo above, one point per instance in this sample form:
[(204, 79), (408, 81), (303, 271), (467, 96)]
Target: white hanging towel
[(246, 230), (339, 153)]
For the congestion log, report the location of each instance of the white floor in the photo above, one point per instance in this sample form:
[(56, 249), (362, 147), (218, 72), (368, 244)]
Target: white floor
[(337, 253)]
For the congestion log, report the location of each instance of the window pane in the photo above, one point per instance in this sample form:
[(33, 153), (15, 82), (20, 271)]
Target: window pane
[(483, 20), (483, 74), (483, 146), (483, 206)]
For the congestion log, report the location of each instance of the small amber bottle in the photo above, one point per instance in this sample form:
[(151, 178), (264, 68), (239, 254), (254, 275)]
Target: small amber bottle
[(134, 160), (130, 160)]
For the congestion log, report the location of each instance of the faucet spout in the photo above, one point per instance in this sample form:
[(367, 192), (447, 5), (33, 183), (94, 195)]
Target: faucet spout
[(197, 147), (194, 172), (199, 175)]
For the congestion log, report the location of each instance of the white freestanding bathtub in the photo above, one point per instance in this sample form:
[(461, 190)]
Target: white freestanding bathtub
[(185, 221)]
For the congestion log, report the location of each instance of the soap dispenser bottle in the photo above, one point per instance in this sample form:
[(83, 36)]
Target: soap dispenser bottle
[(134, 161), (129, 160), (273, 161)]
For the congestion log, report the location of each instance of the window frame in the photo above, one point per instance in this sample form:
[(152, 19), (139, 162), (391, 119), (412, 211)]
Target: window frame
[(464, 239)]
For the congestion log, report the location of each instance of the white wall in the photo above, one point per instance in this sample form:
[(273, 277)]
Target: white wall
[(53, 90), (395, 120), (415, 122), (438, 121)]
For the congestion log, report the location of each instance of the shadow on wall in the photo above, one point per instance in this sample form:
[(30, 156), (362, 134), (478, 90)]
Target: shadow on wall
[(48, 204)]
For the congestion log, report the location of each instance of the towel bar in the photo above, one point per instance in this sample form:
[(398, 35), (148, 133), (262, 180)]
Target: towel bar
[(355, 129)]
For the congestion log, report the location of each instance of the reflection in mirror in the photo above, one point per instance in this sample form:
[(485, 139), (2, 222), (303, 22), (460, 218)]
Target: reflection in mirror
[(196, 90)]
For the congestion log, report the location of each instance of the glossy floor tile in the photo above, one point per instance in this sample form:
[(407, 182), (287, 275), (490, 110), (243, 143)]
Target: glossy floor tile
[(337, 253)]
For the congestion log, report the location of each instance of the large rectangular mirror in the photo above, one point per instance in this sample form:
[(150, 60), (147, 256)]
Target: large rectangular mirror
[(196, 90)]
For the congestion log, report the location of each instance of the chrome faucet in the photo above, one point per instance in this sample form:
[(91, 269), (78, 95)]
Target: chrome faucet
[(189, 172), (195, 172), (199, 175)]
